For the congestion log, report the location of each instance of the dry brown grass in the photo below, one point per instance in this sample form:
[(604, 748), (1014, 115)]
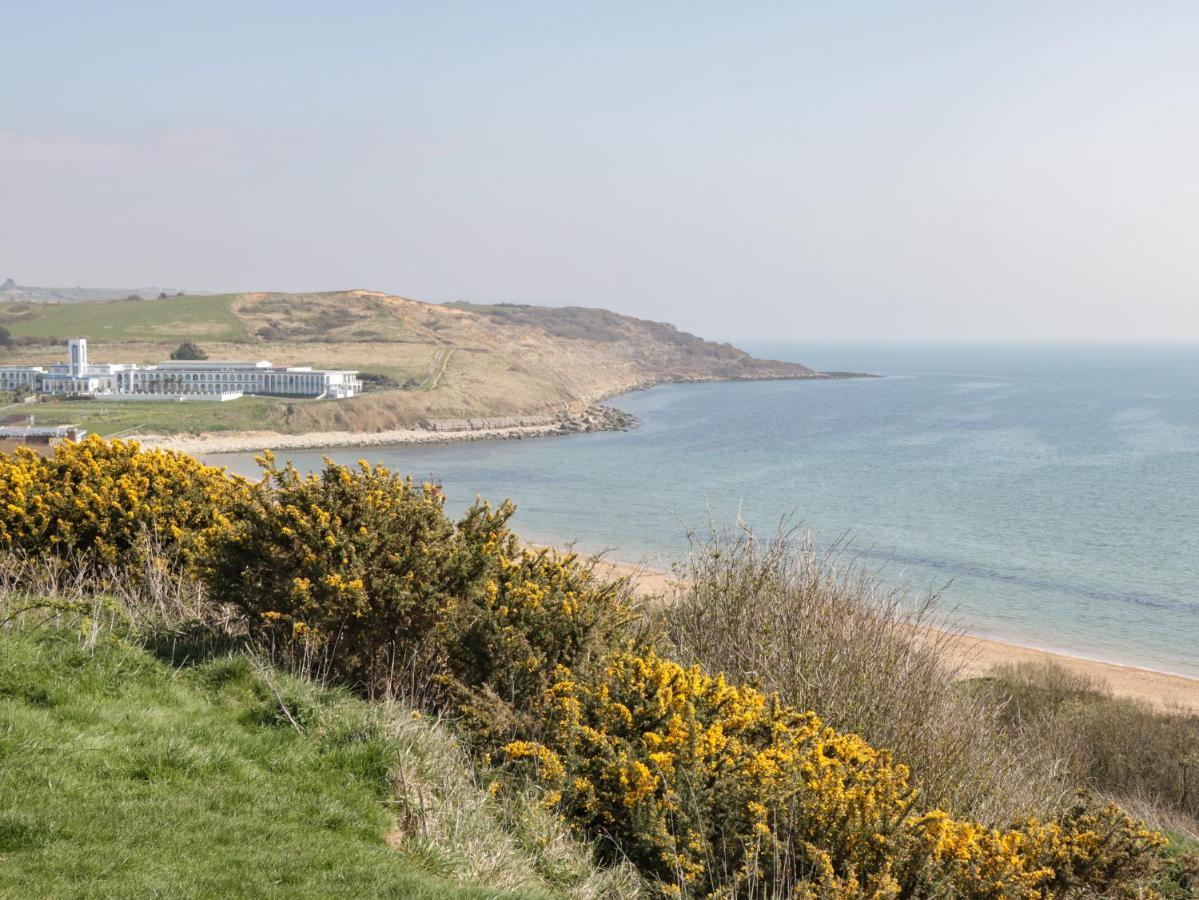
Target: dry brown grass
[(828, 636), (155, 599), (1144, 757)]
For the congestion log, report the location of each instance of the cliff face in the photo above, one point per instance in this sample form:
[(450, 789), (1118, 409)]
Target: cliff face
[(651, 345), (424, 362)]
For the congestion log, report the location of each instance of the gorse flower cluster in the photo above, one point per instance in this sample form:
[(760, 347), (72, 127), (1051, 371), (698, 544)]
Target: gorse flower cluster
[(721, 790), (368, 574), (702, 782), (352, 557), (98, 502), (538, 613), (711, 788), (1086, 852)]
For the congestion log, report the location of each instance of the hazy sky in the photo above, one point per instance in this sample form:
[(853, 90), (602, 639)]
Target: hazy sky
[(784, 171)]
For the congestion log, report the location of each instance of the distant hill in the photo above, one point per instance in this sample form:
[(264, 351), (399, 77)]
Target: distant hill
[(12, 292), (424, 361)]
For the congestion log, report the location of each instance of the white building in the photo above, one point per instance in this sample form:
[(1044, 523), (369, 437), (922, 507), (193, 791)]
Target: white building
[(78, 357), (179, 380), (178, 377), (14, 378)]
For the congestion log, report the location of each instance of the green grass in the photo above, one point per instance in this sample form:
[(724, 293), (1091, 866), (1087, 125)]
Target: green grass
[(1180, 879), (121, 776), (170, 319), (151, 417)]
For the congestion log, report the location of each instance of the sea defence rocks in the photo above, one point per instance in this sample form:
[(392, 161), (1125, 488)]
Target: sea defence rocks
[(481, 424), (590, 418)]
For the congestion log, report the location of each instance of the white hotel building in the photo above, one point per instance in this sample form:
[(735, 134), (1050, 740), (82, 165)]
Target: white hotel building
[(178, 379)]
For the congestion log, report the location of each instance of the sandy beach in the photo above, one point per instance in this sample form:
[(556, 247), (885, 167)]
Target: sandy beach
[(977, 656)]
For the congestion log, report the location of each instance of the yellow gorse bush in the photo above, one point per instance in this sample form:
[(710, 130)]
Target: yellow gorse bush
[(1085, 852), (354, 564), (703, 783), (366, 572), (538, 611), (721, 790), (96, 501)]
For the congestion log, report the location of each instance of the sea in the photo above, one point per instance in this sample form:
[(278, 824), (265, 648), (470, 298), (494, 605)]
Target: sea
[(1049, 494)]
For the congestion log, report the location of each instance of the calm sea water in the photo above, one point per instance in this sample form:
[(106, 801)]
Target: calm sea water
[(1053, 489)]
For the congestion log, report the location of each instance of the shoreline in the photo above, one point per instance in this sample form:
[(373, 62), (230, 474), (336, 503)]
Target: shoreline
[(589, 414), (591, 419), (975, 656)]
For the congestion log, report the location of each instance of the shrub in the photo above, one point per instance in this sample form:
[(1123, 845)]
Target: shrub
[(711, 786), (1085, 852), (362, 574), (1120, 746), (189, 350), (1179, 876), (538, 612), (718, 790), (828, 636), (98, 502), (702, 783), (354, 567)]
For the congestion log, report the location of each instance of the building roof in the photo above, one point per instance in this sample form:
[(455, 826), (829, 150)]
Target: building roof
[(213, 364)]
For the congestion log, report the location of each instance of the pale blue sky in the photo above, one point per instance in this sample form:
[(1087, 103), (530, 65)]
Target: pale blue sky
[(777, 171)]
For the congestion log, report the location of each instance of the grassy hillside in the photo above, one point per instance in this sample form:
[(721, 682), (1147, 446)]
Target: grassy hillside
[(175, 318), (426, 361), (121, 776)]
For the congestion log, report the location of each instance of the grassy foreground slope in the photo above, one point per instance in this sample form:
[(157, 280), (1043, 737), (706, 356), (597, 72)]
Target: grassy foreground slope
[(122, 776), (428, 361)]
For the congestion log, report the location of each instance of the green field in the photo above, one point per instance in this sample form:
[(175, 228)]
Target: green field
[(170, 319), (121, 776), (151, 417)]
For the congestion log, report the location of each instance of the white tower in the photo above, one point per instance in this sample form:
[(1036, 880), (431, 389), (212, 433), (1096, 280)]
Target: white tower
[(78, 348)]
